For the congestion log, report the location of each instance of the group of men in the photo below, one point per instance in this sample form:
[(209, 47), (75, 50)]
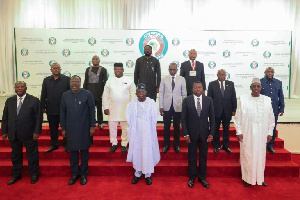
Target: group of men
[(181, 98)]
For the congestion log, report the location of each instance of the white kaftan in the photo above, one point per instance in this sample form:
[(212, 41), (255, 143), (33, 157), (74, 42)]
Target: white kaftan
[(255, 120), (143, 144)]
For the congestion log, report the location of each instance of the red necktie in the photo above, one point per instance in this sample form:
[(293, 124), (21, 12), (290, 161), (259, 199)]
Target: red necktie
[(193, 65)]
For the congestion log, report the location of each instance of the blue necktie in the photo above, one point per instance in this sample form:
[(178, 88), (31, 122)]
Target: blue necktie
[(19, 106)]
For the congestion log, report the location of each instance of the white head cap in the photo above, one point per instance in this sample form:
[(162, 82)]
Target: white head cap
[(256, 80)]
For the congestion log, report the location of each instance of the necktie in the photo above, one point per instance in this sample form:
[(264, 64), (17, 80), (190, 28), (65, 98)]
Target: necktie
[(193, 65), (20, 105), (222, 88), (198, 107), (173, 83)]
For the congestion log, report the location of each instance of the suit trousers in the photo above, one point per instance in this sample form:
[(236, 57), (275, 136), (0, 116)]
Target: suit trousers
[(98, 105), (81, 170), (53, 126), (168, 115), (225, 124), (192, 158), (271, 143), (17, 156), (113, 130)]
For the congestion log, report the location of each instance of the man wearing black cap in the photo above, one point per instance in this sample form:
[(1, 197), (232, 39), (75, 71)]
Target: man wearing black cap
[(147, 71), (118, 92)]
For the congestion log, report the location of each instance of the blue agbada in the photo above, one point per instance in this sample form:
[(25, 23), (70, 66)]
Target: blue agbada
[(77, 115)]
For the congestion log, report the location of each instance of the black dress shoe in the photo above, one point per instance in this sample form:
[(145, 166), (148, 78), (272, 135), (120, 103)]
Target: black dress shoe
[(246, 184), (34, 179), (227, 150), (83, 180), (135, 180), (124, 149), (100, 126), (165, 149), (177, 149), (13, 180), (271, 150), (264, 184), (113, 148), (191, 182), (52, 148), (203, 182), (73, 180), (148, 180), (216, 150)]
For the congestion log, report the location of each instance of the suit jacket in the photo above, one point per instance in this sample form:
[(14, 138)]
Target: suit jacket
[(193, 125), (185, 69), (26, 123), (227, 103), (166, 94)]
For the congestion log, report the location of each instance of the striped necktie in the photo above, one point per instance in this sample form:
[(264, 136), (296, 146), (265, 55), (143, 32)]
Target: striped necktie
[(193, 65), (199, 107), (20, 105)]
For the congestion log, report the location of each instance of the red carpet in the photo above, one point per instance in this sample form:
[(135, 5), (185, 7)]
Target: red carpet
[(169, 180)]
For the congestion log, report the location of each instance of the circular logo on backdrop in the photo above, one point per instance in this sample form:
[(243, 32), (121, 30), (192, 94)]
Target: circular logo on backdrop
[(212, 42), (92, 41), (211, 65), (254, 65), (227, 77), (90, 63), (267, 54), (186, 53), (175, 42), (52, 41), (129, 41), (66, 52), (25, 74), (157, 41), (104, 52), (129, 63), (255, 43), (24, 52), (67, 73), (51, 62), (226, 54), (177, 63)]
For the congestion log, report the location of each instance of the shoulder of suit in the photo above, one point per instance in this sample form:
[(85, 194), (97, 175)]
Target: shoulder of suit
[(275, 79)]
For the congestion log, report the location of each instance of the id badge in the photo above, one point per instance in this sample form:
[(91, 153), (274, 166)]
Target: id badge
[(192, 73)]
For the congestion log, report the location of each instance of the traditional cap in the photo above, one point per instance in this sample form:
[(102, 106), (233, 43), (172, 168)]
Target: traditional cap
[(118, 65), (256, 80), (141, 86)]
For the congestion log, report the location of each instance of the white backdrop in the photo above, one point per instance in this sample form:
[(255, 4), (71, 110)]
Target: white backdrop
[(243, 54)]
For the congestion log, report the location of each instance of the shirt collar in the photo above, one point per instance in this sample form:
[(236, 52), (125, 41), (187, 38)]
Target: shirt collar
[(196, 98), (23, 97), (52, 77)]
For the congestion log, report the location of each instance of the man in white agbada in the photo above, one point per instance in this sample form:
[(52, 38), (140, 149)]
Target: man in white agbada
[(118, 92), (254, 122), (141, 115)]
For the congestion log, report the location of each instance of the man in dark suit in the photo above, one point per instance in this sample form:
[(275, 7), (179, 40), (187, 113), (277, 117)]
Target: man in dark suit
[(224, 97), (22, 124), (192, 71), (52, 89), (197, 131)]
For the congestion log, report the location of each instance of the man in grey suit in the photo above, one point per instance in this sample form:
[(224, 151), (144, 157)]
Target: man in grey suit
[(172, 91)]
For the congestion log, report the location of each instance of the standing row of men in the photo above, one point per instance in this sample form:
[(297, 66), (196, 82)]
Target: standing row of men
[(193, 111)]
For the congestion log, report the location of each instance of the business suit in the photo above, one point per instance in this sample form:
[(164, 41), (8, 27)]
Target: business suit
[(198, 129), (20, 129), (185, 69), (223, 107), (171, 102)]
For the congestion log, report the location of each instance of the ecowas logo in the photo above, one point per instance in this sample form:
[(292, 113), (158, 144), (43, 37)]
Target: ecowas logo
[(227, 77), (66, 52), (129, 41), (254, 65), (52, 41), (226, 54), (104, 52), (51, 62), (90, 63), (92, 41), (255, 43), (25, 74), (212, 42), (129, 64), (186, 53), (157, 41), (24, 52), (67, 73), (175, 42), (212, 64), (267, 54)]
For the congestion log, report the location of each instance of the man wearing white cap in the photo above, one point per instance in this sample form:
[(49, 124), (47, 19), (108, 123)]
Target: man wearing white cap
[(254, 122)]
